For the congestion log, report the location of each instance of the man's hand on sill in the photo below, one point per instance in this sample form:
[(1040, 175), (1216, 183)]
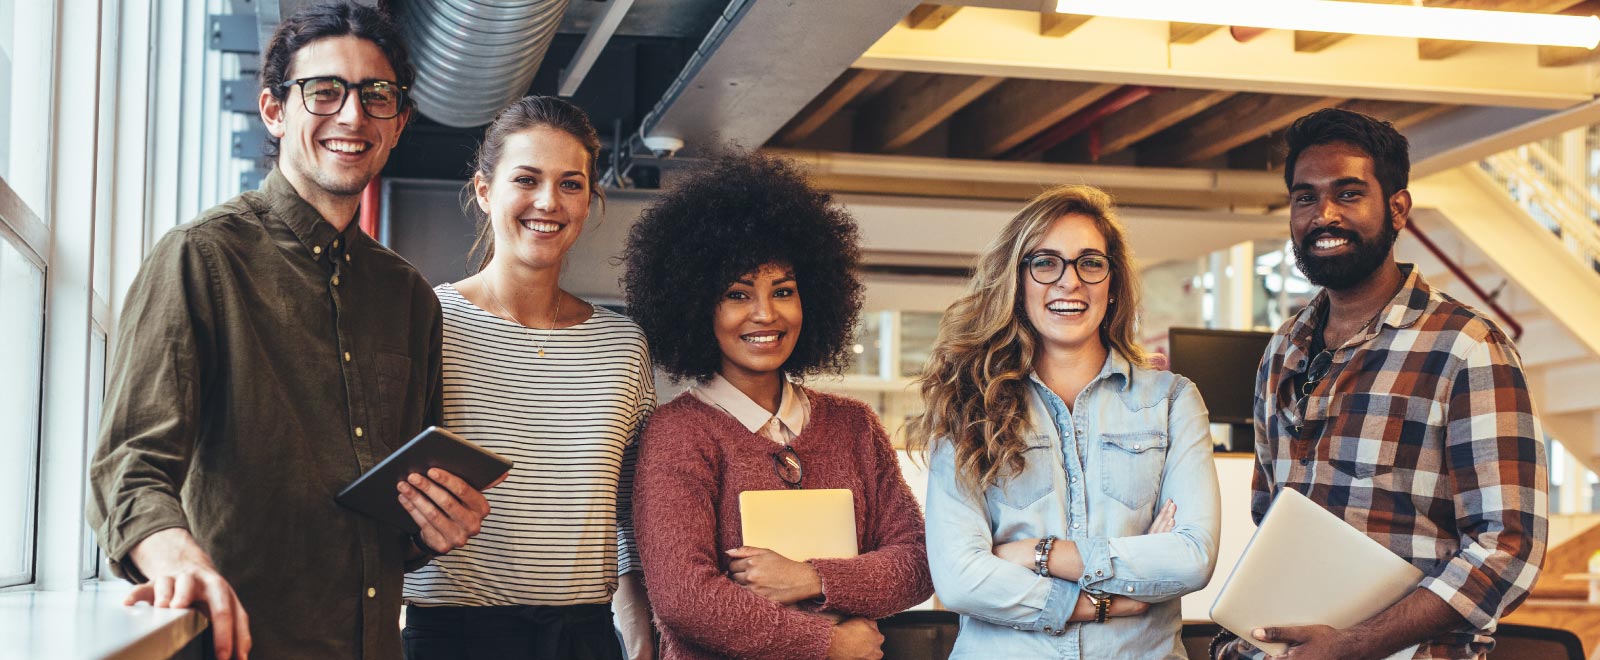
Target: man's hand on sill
[(181, 576)]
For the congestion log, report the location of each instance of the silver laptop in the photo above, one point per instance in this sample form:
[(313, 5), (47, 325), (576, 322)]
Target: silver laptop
[(1306, 566)]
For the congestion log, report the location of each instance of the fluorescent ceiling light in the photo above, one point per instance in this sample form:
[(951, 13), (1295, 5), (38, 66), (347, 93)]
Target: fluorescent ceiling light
[(1357, 18)]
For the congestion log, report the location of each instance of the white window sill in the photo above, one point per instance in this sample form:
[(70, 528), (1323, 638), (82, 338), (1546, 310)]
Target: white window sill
[(92, 624)]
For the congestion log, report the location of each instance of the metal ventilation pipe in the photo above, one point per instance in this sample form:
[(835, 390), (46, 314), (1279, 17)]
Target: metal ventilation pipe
[(474, 57)]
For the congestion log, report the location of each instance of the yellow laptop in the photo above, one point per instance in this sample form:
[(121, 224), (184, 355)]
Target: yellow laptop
[(800, 524)]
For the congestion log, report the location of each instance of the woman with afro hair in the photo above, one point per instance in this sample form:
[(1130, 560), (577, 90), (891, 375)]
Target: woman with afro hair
[(743, 279)]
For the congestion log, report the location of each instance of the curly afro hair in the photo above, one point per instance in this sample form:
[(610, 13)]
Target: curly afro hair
[(728, 218)]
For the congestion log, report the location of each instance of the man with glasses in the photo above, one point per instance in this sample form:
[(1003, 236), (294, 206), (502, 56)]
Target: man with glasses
[(1396, 408), (269, 353)]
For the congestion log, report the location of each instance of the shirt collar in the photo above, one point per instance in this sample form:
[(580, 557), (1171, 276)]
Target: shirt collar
[(1407, 305), (750, 415), (1115, 365), (1411, 301), (302, 218)]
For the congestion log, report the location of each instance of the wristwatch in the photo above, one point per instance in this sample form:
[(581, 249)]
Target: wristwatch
[(1102, 605)]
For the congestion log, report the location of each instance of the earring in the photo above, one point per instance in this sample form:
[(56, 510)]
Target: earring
[(1113, 301)]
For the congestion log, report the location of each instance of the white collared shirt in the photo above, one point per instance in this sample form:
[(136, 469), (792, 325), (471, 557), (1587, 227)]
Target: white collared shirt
[(793, 408)]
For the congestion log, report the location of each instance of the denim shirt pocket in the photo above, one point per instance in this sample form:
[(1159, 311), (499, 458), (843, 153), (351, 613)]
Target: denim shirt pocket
[(1025, 489), (1131, 465)]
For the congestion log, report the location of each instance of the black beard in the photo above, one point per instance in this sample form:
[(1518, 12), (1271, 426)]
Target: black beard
[(1342, 272)]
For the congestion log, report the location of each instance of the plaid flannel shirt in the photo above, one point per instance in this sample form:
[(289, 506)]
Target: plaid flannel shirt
[(1421, 435)]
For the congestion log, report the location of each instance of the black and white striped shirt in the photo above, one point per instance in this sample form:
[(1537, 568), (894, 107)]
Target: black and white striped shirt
[(560, 528)]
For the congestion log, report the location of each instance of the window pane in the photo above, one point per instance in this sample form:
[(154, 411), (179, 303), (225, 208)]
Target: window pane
[(21, 349), (918, 330), (25, 98), (865, 352), (89, 555)]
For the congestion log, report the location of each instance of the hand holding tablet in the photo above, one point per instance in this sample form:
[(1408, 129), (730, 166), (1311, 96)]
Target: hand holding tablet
[(429, 487)]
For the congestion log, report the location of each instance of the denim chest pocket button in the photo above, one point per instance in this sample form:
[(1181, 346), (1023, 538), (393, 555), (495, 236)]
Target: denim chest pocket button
[(1131, 466)]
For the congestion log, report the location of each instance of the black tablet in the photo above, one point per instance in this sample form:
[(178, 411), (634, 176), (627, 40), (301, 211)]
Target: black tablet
[(374, 494)]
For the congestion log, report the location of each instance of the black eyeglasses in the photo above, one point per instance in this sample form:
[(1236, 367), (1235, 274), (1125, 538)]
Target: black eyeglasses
[(786, 463), (324, 96), (1315, 372), (1046, 268)]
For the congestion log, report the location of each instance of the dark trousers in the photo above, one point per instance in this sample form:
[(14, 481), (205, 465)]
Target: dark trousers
[(534, 632)]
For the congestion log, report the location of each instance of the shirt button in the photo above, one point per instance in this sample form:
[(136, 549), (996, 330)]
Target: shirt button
[(1130, 590), (336, 242), (347, 356), (1075, 525), (1073, 479), (1136, 446), (372, 592), (336, 280), (1048, 629), (1098, 574), (1016, 627), (359, 432), (316, 249), (346, 257)]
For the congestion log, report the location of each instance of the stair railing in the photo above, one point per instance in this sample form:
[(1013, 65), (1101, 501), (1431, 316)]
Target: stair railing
[(1534, 179)]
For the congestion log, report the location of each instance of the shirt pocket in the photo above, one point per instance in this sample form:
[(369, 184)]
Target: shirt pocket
[(1367, 430), (1131, 465), (1036, 480), (394, 383)]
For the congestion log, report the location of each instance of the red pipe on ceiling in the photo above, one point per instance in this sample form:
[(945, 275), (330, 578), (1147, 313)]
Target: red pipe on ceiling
[(1079, 121)]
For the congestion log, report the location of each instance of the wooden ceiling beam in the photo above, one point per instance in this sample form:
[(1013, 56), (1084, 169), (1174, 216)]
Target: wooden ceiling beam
[(914, 104), (1052, 24), (1563, 56), (1188, 33), (1523, 6), (928, 16), (984, 41), (829, 103), (1402, 114), (1017, 110), (1316, 42), (1232, 123), (1153, 115), (1438, 49)]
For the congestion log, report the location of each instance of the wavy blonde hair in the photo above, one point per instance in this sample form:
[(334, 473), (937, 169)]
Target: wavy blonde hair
[(975, 384)]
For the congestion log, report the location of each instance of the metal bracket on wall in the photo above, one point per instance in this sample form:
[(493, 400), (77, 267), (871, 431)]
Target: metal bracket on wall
[(250, 144), (250, 179), (234, 33), (240, 96)]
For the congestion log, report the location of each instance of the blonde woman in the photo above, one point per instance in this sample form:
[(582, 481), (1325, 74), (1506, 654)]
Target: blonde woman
[(1071, 497)]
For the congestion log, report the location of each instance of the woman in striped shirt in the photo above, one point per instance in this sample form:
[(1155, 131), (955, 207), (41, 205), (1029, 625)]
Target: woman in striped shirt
[(559, 386)]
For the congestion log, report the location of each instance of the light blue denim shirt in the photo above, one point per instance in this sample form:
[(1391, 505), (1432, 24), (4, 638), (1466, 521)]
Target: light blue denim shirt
[(1137, 438)]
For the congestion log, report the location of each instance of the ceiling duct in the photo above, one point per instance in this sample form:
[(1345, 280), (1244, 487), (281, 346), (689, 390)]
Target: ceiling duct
[(474, 57)]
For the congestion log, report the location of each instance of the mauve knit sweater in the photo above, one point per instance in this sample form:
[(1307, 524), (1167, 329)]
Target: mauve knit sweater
[(694, 460)]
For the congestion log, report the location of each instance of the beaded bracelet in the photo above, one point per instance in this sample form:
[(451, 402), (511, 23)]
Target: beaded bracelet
[(1223, 638), (1041, 555)]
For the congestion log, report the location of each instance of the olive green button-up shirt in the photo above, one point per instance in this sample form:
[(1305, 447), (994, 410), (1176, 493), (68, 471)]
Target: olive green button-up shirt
[(263, 361)]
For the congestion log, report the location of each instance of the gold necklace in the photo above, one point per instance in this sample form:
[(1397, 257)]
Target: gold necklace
[(544, 333)]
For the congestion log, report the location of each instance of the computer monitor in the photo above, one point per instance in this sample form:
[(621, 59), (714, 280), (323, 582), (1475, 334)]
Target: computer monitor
[(1222, 363)]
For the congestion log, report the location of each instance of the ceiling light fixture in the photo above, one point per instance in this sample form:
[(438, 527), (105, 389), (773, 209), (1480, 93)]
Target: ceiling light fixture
[(1358, 18)]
